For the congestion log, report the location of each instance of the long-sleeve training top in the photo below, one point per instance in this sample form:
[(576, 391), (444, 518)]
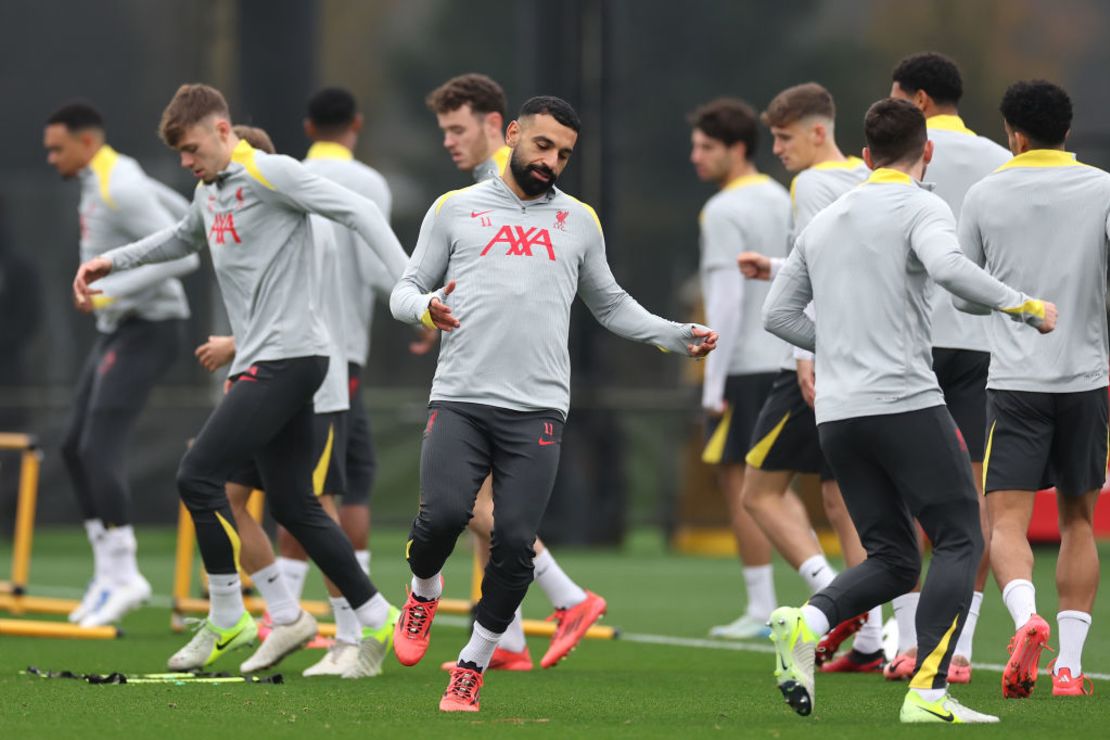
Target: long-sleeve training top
[(960, 159), (361, 272), (751, 213), (864, 262), (1040, 224), (120, 204), (518, 266), (254, 218)]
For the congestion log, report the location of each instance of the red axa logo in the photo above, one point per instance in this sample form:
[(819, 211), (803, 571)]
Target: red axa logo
[(520, 241), (222, 225)]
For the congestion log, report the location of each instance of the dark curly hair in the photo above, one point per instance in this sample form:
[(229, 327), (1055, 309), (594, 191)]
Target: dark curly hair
[(932, 72), (1038, 109), (727, 120)]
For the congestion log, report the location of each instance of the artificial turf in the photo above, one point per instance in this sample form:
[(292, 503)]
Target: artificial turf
[(622, 688)]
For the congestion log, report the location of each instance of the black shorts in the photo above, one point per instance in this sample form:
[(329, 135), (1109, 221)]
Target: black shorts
[(329, 445), (1039, 440), (962, 374), (361, 463), (785, 434), (727, 437)]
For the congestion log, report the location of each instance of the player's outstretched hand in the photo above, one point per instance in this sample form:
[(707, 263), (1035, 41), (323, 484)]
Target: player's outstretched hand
[(707, 344), (1048, 323), (754, 266), (426, 339), (441, 312), (89, 272), (215, 353)]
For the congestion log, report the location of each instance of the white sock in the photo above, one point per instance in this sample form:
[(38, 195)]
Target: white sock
[(761, 591), (869, 639), (428, 588), (294, 572), (1020, 598), (373, 613), (512, 639), (816, 620), (118, 548), (963, 646), (931, 695), (480, 648), (280, 603), (905, 614), (1072, 626), (817, 573), (561, 591), (225, 600), (363, 558), (347, 627)]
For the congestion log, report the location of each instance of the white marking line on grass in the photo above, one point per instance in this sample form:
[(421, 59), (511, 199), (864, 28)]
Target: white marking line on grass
[(450, 620)]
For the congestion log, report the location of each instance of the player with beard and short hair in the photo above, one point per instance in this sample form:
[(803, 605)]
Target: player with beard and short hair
[(470, 110), (519, 250)]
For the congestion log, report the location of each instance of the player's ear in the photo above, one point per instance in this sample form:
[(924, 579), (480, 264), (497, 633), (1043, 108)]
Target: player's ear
[(356, 123), (309, 129), (512, 134), (867, 158), (927, 154)]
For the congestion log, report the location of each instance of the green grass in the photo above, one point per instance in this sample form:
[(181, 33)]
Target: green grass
[(605, 689)]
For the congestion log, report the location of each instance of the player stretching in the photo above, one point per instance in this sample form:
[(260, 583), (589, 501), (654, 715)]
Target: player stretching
[(470, 110), (750, 211), (252, 210), (139, 317), (518, 250), (880, 413), (932, 82), (1040, 222), (802, 120)]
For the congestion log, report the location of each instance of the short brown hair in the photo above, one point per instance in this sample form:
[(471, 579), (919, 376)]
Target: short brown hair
[(728, 120), (256, 137), (798, 102), (480, 92), (191, 104), (895, 132)]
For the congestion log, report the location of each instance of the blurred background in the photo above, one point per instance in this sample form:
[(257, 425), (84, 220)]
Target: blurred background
[(632, 68)]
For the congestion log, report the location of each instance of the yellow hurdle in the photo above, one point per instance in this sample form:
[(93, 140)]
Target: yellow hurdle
[(56, 630)]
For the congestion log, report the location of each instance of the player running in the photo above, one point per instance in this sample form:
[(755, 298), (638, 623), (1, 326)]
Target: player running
[(518, 250), (932, 82), (140, 320), (880, 413), (470, 110), (749, 211), (1040, 222), (252, 210), (802, 120)]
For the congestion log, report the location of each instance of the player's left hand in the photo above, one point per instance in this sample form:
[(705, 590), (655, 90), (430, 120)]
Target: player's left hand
[(807, 381), (423, 343), (89, 272), (215, 353), (707, 344), (754, 266)]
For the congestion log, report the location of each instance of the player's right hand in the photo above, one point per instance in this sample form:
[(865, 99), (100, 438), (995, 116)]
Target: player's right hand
[(215, 353), (807, 381), (1048, 323), (441, 312), (754, 266), (89, 272)]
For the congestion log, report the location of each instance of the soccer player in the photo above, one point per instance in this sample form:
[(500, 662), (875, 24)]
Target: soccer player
[(518, 250), (140, 320), (802, 120), (749, 211), (1040, 222), (470, 110), (252, 209), (932, 82), (880, 413)]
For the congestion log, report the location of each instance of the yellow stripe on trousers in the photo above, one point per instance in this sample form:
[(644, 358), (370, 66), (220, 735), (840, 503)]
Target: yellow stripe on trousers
[(987, 454), (320, 473), (715, 447), (927, 673), (758, 454), (232, 536)]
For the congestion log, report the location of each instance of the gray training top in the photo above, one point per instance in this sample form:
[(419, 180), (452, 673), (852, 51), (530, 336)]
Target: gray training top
[(864, 262), (749, 213), (121, 204), (362, 275), (1040, 223), (519, 265), (960, 159), (254, 218)]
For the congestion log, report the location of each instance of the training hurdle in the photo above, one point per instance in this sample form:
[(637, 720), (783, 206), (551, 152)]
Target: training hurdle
[(184, 603), (14, 598)]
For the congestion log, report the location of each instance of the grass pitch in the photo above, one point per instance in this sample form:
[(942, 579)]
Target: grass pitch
[(623, 688)]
